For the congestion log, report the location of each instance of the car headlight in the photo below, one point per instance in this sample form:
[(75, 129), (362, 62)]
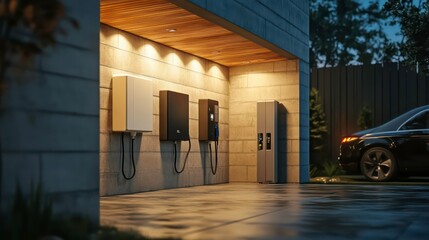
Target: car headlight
[(348, 139)]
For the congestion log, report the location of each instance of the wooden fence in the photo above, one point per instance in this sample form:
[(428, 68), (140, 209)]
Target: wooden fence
[(387, 90)]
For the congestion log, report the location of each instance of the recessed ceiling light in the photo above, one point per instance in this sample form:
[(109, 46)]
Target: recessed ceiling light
[(171, 30)]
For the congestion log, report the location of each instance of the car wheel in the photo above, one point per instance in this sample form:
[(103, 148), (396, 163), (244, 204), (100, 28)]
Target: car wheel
[(378, 164)]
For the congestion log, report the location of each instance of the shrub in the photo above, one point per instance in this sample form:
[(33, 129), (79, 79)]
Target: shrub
[(318, 128), (365, 118), (32, 218)]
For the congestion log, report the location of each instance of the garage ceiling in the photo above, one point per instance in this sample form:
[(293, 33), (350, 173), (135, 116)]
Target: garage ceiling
[(168, 24)]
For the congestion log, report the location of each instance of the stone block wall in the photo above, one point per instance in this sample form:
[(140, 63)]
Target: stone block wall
[(169, 69), (49, 120), (248, 84), (283, 24)]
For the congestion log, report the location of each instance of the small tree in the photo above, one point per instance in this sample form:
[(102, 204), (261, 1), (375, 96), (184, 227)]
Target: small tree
[(344, 32), (318, 128), (413, 18), (365, 118)]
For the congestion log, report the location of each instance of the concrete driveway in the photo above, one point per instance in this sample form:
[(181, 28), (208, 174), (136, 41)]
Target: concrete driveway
[(256, 211)]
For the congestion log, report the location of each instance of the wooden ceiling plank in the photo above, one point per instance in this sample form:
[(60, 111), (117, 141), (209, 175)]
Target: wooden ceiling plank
[(151, 18)]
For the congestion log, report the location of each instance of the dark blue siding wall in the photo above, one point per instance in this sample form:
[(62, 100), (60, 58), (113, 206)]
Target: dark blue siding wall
[(284, 23)]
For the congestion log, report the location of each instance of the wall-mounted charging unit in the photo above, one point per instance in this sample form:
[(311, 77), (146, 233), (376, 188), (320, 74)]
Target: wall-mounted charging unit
[(132, 111), (173, 116), (132, 104), (174, 121), (208, 127), (267, 141)]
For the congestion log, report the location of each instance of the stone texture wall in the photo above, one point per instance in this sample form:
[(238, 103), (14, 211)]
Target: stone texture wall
[(248, 84), (285, 24), (49, 123), (124, 53)]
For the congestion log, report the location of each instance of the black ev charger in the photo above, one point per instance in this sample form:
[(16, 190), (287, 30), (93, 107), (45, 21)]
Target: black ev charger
[(174, 121), (208, 127)]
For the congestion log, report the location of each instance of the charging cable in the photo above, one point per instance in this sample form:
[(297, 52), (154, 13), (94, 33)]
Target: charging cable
[(186, 158), (131, 153), (213, 168), (216, 143)]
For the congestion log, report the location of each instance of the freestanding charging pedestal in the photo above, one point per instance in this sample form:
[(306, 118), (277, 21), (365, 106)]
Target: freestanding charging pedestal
[(267, 141)]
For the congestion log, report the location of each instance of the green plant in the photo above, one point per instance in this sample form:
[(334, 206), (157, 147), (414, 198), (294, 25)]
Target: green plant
[(413, 19), (314, 171), (30, 218), (73, 227), (365, 118), (318, 128), (345, 32), (331, 169)]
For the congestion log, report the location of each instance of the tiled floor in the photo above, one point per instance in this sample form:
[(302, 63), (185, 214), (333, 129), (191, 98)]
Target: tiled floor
[(255, 211)]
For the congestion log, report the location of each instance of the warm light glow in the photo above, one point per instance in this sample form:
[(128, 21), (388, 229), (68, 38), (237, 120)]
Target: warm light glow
[(171, 30), (170, 57), (151, 51), (196, 65), (214, 70), (124, 42), (178, 59), (348, 139)]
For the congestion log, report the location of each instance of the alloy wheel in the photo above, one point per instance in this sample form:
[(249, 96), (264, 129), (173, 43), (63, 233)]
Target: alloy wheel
[(378, 164)]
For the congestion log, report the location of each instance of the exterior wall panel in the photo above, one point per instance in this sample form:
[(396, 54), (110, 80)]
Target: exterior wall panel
[(260, 17), (49, 124)]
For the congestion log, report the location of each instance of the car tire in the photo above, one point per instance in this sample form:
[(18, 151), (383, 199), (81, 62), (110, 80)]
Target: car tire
[(378, 164)]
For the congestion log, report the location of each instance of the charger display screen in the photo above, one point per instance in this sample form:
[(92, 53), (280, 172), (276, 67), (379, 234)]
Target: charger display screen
[(260, 141)]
